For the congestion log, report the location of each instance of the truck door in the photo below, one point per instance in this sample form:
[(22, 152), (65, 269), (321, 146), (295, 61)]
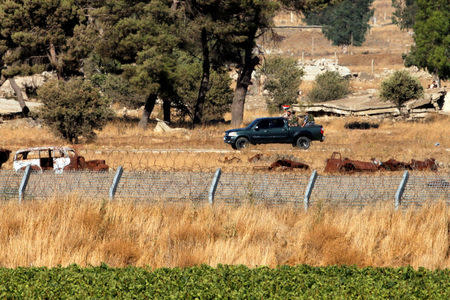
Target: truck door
[(261, 132), (279, 130)]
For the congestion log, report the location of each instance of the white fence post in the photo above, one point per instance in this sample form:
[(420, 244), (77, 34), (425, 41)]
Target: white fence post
[(115, 183), (400, 190), (214, 183), (309, 188), (23, 184)]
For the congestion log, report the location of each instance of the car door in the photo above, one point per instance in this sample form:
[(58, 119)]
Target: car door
[(278, 131), (261, 133)]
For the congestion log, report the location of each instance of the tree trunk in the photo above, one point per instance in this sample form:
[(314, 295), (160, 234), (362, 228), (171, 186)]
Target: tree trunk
[(198, 110), (148, 108), (18, 92), (54, 60), (242, 83), (166, 110)]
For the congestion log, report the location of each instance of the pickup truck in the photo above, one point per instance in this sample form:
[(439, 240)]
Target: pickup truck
[(273, 130)]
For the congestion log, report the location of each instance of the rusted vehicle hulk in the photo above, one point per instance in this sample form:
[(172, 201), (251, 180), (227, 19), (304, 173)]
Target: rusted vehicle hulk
[(59, 159), (337, 164), (4, 156)]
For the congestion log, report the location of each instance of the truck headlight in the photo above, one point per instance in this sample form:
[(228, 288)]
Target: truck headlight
[(232, 134)]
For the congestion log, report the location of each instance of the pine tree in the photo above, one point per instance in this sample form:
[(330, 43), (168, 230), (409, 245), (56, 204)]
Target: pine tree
[(432, 38), (345, 23)]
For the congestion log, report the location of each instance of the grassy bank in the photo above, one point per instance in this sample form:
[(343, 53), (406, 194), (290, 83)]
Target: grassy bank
[(69, 230)]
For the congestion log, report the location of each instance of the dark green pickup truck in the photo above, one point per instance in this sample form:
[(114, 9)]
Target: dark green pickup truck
[(273, 130)]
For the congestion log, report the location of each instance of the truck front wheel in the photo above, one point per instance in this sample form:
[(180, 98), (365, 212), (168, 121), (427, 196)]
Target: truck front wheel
[(303, 142), (241, 143)]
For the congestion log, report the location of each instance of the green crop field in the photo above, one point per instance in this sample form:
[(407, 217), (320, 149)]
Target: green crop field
[(225, 282)]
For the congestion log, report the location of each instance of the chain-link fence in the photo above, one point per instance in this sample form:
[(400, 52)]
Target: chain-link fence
[(230, 188)]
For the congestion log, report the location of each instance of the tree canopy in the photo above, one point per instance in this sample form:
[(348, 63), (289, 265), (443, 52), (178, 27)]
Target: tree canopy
[(405, 13), (34, 35), (344, 23), (432, 38), (400, 87)]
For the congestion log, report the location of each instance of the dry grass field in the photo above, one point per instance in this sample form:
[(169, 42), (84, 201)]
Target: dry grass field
[(68, 230)]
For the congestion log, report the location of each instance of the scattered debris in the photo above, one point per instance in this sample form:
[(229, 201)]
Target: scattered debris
[(4, 156), (229, 160), (255, 158), (162, 126), (337, 164), (288, 164), (360, 125)]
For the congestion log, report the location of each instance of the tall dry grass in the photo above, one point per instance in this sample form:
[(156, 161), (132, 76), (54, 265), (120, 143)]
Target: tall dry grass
[(62, 231)]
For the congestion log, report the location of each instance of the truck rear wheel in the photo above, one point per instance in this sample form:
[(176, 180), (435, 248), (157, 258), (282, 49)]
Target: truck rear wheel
[(303, 142)]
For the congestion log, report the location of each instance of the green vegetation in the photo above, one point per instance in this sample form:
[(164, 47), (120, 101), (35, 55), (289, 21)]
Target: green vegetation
[(344, 23), (230, 282), (432, 38), (328, 86), (400, 87), (73, 109), (283, 78), (405, 13)]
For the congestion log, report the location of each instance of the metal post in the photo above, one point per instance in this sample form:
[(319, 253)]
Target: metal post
[(115, 183), (312, 181), (214, 183), (400, 190), (23, 184)]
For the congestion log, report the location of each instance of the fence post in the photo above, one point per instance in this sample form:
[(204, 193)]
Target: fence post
[(400, 190), (214, 183), (23, 184), (309, 188), (115, 183)]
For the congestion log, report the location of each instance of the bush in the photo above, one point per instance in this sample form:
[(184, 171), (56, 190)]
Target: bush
[(400, 87), (329, 86), (73, 109), (283, 78)]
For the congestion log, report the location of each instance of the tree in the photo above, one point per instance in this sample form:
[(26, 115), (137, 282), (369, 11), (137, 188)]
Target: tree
[(34, 35), (328, 86), (400, 87), (432, 38), (345, 23), (138, 39), (282, 81), (405, 13), (251, 19), (33, 38), (73, 109), (218, 95)]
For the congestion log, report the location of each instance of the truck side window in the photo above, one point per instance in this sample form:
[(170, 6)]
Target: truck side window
[(264, 124), (277, 123)]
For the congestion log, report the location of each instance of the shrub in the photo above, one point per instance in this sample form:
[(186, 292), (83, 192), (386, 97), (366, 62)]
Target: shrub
[(400, 87), (73, 109), (283, 78), (329, 86)]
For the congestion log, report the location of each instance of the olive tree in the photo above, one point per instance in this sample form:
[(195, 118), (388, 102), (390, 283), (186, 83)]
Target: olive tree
[(73, 109), (400, 87), (329, 86)]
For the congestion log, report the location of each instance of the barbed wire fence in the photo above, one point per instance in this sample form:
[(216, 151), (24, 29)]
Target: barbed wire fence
[(230, 188)]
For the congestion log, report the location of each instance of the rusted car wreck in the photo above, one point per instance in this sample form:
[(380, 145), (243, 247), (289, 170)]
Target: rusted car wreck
[(59, 159), (345, 165)]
